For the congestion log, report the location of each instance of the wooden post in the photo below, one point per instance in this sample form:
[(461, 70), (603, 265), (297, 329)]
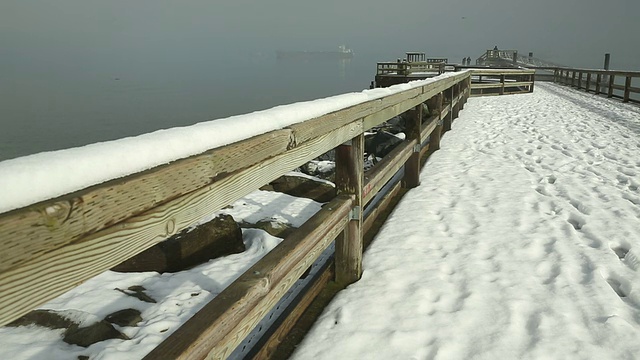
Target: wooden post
[(627, 86), (412, 166), (598, 81), (455, 109), (555, 75), (566, 77), (573, 78), (434, 138), (446, 125), (349, 180), (502, 84), (533, 81), (588, 82), (611, 80), (607, 59), (579, 79)]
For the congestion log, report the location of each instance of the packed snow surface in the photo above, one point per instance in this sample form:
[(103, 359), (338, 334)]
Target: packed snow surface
[(522, 242)]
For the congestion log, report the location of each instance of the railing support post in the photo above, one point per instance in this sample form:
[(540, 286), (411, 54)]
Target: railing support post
[(446, 125), (588, 82), (349, 180), (611, 80), (598, 82), (434, 138), (501, 84), (573, 78), (627, 88), (579, 79), (455, 109), (414, 131), (533, 82)]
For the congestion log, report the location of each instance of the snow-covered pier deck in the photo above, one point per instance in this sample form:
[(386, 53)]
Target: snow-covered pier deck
[(521, 242)]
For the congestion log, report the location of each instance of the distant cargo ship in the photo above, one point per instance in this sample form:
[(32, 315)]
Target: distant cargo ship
[(342, 53)]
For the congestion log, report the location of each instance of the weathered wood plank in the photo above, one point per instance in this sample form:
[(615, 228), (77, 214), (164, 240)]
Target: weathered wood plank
[(310, 129), (434, 139), (349, 179), (44, 227), (277, 337), (414, 132), (386, 168), (374, 111), (487, 86), (428, 129), (27, 286), (381, 207), (216, 330), (627, 88)]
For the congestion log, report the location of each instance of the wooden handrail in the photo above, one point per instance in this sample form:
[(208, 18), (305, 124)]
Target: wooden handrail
[(576, 76)]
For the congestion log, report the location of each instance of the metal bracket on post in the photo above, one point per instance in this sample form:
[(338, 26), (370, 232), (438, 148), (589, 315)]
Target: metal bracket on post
[(354, 214), (417, 148)]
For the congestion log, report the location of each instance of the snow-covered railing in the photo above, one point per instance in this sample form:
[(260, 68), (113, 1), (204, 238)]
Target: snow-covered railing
[(51, 246), (490, 81), (601, 81)]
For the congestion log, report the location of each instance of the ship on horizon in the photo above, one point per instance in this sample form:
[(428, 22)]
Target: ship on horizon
[(342, 53)]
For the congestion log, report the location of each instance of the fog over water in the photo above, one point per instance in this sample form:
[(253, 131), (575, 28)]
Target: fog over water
[(74, 72)]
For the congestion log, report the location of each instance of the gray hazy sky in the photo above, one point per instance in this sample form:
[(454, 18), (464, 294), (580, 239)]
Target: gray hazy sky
[(572, 32)]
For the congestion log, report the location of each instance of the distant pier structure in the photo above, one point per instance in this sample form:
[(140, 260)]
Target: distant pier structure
[(415, 66)]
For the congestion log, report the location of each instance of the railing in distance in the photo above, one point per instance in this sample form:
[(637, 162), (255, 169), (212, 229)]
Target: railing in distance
[(601, 81)]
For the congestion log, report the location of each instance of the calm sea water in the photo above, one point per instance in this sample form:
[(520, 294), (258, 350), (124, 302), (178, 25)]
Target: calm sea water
[(46, 108)]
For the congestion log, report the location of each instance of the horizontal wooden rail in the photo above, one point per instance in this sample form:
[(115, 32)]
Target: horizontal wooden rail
[(385, 170), (604, 79), (504, 80), (216, 330)]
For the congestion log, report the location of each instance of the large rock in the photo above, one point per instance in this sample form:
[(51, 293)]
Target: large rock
[(88, 335), (381, 144), (325, 169), (219, 237), (125, 317), (300, 186), (272, 227), (73, 334)]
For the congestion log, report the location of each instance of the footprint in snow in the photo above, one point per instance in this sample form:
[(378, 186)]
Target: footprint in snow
[(624, 252)]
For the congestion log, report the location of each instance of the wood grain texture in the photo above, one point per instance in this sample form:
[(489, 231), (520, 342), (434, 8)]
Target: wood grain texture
[(413, 131), (428, 128), (26, 287), (381, 207), (386, 169), (349, 178), (216, 330), (278, 336), (47, 226)]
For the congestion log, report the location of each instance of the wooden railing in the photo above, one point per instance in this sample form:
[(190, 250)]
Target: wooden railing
[(500, 81), (600, 81), (50, 247)]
